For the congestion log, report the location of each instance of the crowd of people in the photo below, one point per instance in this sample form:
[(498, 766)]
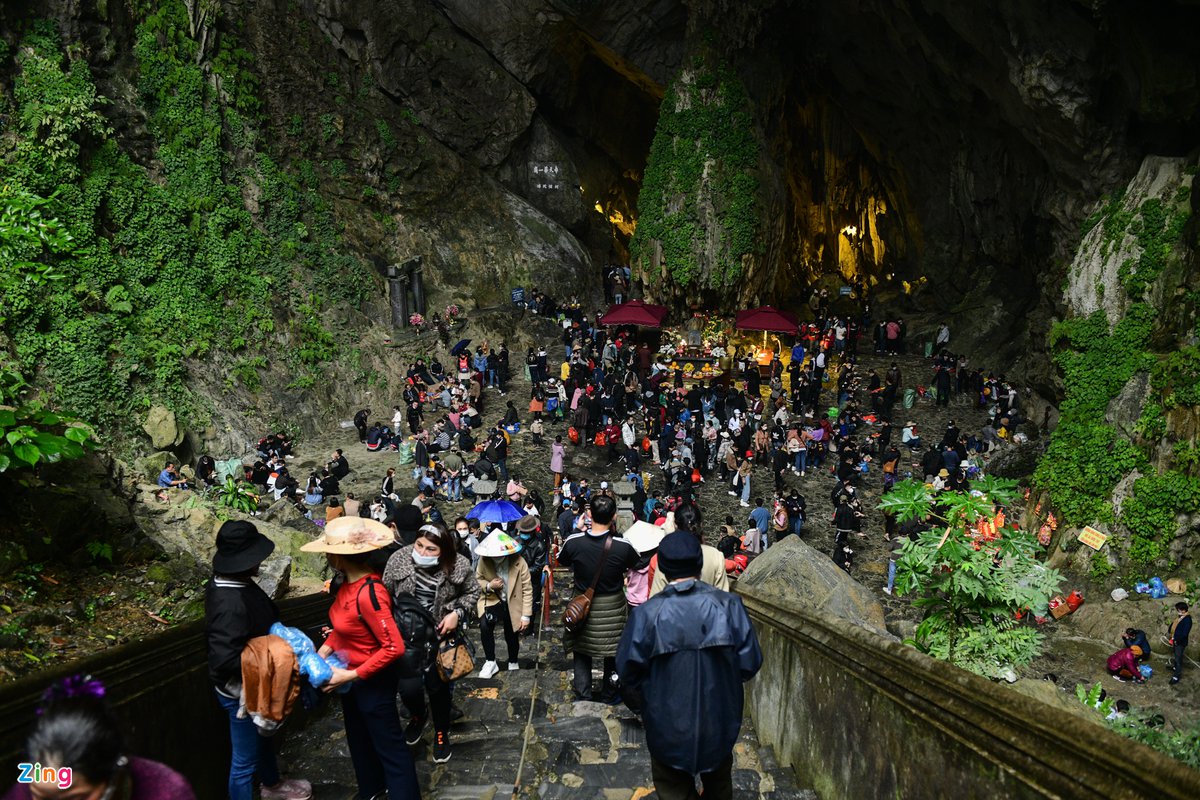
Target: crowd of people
[(764, 435)]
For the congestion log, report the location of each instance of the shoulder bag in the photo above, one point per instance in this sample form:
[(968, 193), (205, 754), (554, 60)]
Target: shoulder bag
[(576, 612), (455, 656)]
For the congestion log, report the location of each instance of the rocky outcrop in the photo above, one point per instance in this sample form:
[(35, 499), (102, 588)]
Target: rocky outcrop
[(795, 574), (162, 428)]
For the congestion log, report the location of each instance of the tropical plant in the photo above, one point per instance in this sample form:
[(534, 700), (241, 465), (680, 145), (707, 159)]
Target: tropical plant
[(236, 494), (974, 575), (1181, 744), (1094, 697), (31, 434)]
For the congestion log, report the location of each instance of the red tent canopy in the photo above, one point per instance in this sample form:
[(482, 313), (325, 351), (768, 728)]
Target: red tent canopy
[(767, 318), (635, 312)]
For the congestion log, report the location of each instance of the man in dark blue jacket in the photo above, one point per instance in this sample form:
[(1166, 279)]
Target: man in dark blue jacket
[(1181, 628), (683, 658)]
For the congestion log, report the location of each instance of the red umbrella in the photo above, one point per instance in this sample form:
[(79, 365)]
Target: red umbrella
[(635, 312), (767, 318)]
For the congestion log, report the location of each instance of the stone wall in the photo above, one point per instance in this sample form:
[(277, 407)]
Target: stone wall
[(166, 673), (859, 715)]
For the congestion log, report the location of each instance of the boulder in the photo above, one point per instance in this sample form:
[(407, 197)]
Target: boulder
[(1016, 460), (1102, 619), (162, 428), (275, 576), (285, 514), (151, 465), (794, 574)]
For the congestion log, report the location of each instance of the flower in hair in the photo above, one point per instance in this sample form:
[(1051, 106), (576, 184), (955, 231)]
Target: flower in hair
[(71, 687)]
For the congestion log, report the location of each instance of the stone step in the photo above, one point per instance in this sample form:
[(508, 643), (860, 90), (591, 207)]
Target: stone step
[(577, 750)]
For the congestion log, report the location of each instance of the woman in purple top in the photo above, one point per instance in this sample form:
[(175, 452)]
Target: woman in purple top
[(78, 750)]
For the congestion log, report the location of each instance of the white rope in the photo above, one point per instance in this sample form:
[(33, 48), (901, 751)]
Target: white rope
[(537, 665)]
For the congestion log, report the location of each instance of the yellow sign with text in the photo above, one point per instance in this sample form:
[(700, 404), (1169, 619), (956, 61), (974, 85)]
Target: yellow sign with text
[(1092, 537)]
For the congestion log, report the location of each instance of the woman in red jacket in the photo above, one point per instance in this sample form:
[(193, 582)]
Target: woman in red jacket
[(365, 635)]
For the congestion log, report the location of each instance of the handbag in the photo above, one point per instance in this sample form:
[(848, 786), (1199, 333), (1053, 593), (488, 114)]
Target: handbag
[(455, 657), (576, 612)]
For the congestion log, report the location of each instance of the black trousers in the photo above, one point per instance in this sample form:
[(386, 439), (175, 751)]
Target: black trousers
[(674, 784), (493, 615), (1177, 651), (413, 691), (582, 679), (375, 739)]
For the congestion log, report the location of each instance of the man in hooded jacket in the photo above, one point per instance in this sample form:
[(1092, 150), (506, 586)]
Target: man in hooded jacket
[(682, 660)]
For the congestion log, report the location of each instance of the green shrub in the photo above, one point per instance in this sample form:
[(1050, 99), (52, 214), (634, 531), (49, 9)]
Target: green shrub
[(704, 128)]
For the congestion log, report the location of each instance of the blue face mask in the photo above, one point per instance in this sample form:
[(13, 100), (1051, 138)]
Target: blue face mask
[(526, 536), (424, 561)]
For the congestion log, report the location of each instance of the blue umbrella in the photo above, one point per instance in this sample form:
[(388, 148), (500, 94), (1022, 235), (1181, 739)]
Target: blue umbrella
[(458, 348), (496, 511)]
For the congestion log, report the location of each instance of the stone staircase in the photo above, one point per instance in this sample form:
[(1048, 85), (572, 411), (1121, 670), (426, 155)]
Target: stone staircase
[(577, 750)]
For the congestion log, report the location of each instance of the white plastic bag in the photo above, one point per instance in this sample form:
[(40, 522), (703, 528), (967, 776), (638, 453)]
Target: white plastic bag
[(1118, 594)]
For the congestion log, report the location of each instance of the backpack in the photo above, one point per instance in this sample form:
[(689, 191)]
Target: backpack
[(416, 627)]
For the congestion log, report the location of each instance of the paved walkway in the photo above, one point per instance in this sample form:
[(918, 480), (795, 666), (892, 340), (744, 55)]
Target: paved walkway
[(577, 750)]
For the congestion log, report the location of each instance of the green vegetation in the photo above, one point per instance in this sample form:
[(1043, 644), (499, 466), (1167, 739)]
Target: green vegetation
[(1146, 728), (971, 575), (1150, 512), (236, 494), (31, 434), (1157, 229), (122, 274), (703, 152), (1087, 457)]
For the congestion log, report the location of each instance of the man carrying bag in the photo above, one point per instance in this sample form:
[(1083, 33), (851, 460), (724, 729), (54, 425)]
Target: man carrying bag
[(599, 559)]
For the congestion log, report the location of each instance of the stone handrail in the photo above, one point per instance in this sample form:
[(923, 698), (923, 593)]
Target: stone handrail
[(159, 688), (858, 715)]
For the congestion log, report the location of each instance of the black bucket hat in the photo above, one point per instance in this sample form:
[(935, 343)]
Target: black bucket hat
[(240, 548)]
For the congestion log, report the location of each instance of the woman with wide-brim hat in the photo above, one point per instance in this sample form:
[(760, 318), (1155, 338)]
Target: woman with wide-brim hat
[(365, 635), (432, 570), (237, 610), (505, 597)]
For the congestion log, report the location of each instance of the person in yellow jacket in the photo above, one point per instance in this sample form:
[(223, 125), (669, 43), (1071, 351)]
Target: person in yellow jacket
[(505, 597)]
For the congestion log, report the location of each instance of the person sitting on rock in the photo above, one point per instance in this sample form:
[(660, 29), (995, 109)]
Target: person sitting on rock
[(206, 470), (329, 484), (168, 478), (338, 466), (1123, 665), (910, 437)]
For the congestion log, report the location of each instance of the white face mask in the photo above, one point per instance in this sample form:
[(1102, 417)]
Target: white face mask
[(464, 533), (424, 561)]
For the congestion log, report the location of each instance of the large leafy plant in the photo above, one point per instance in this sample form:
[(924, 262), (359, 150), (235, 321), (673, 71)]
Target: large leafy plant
[(236, 494), (31, 434), (973, 574)]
